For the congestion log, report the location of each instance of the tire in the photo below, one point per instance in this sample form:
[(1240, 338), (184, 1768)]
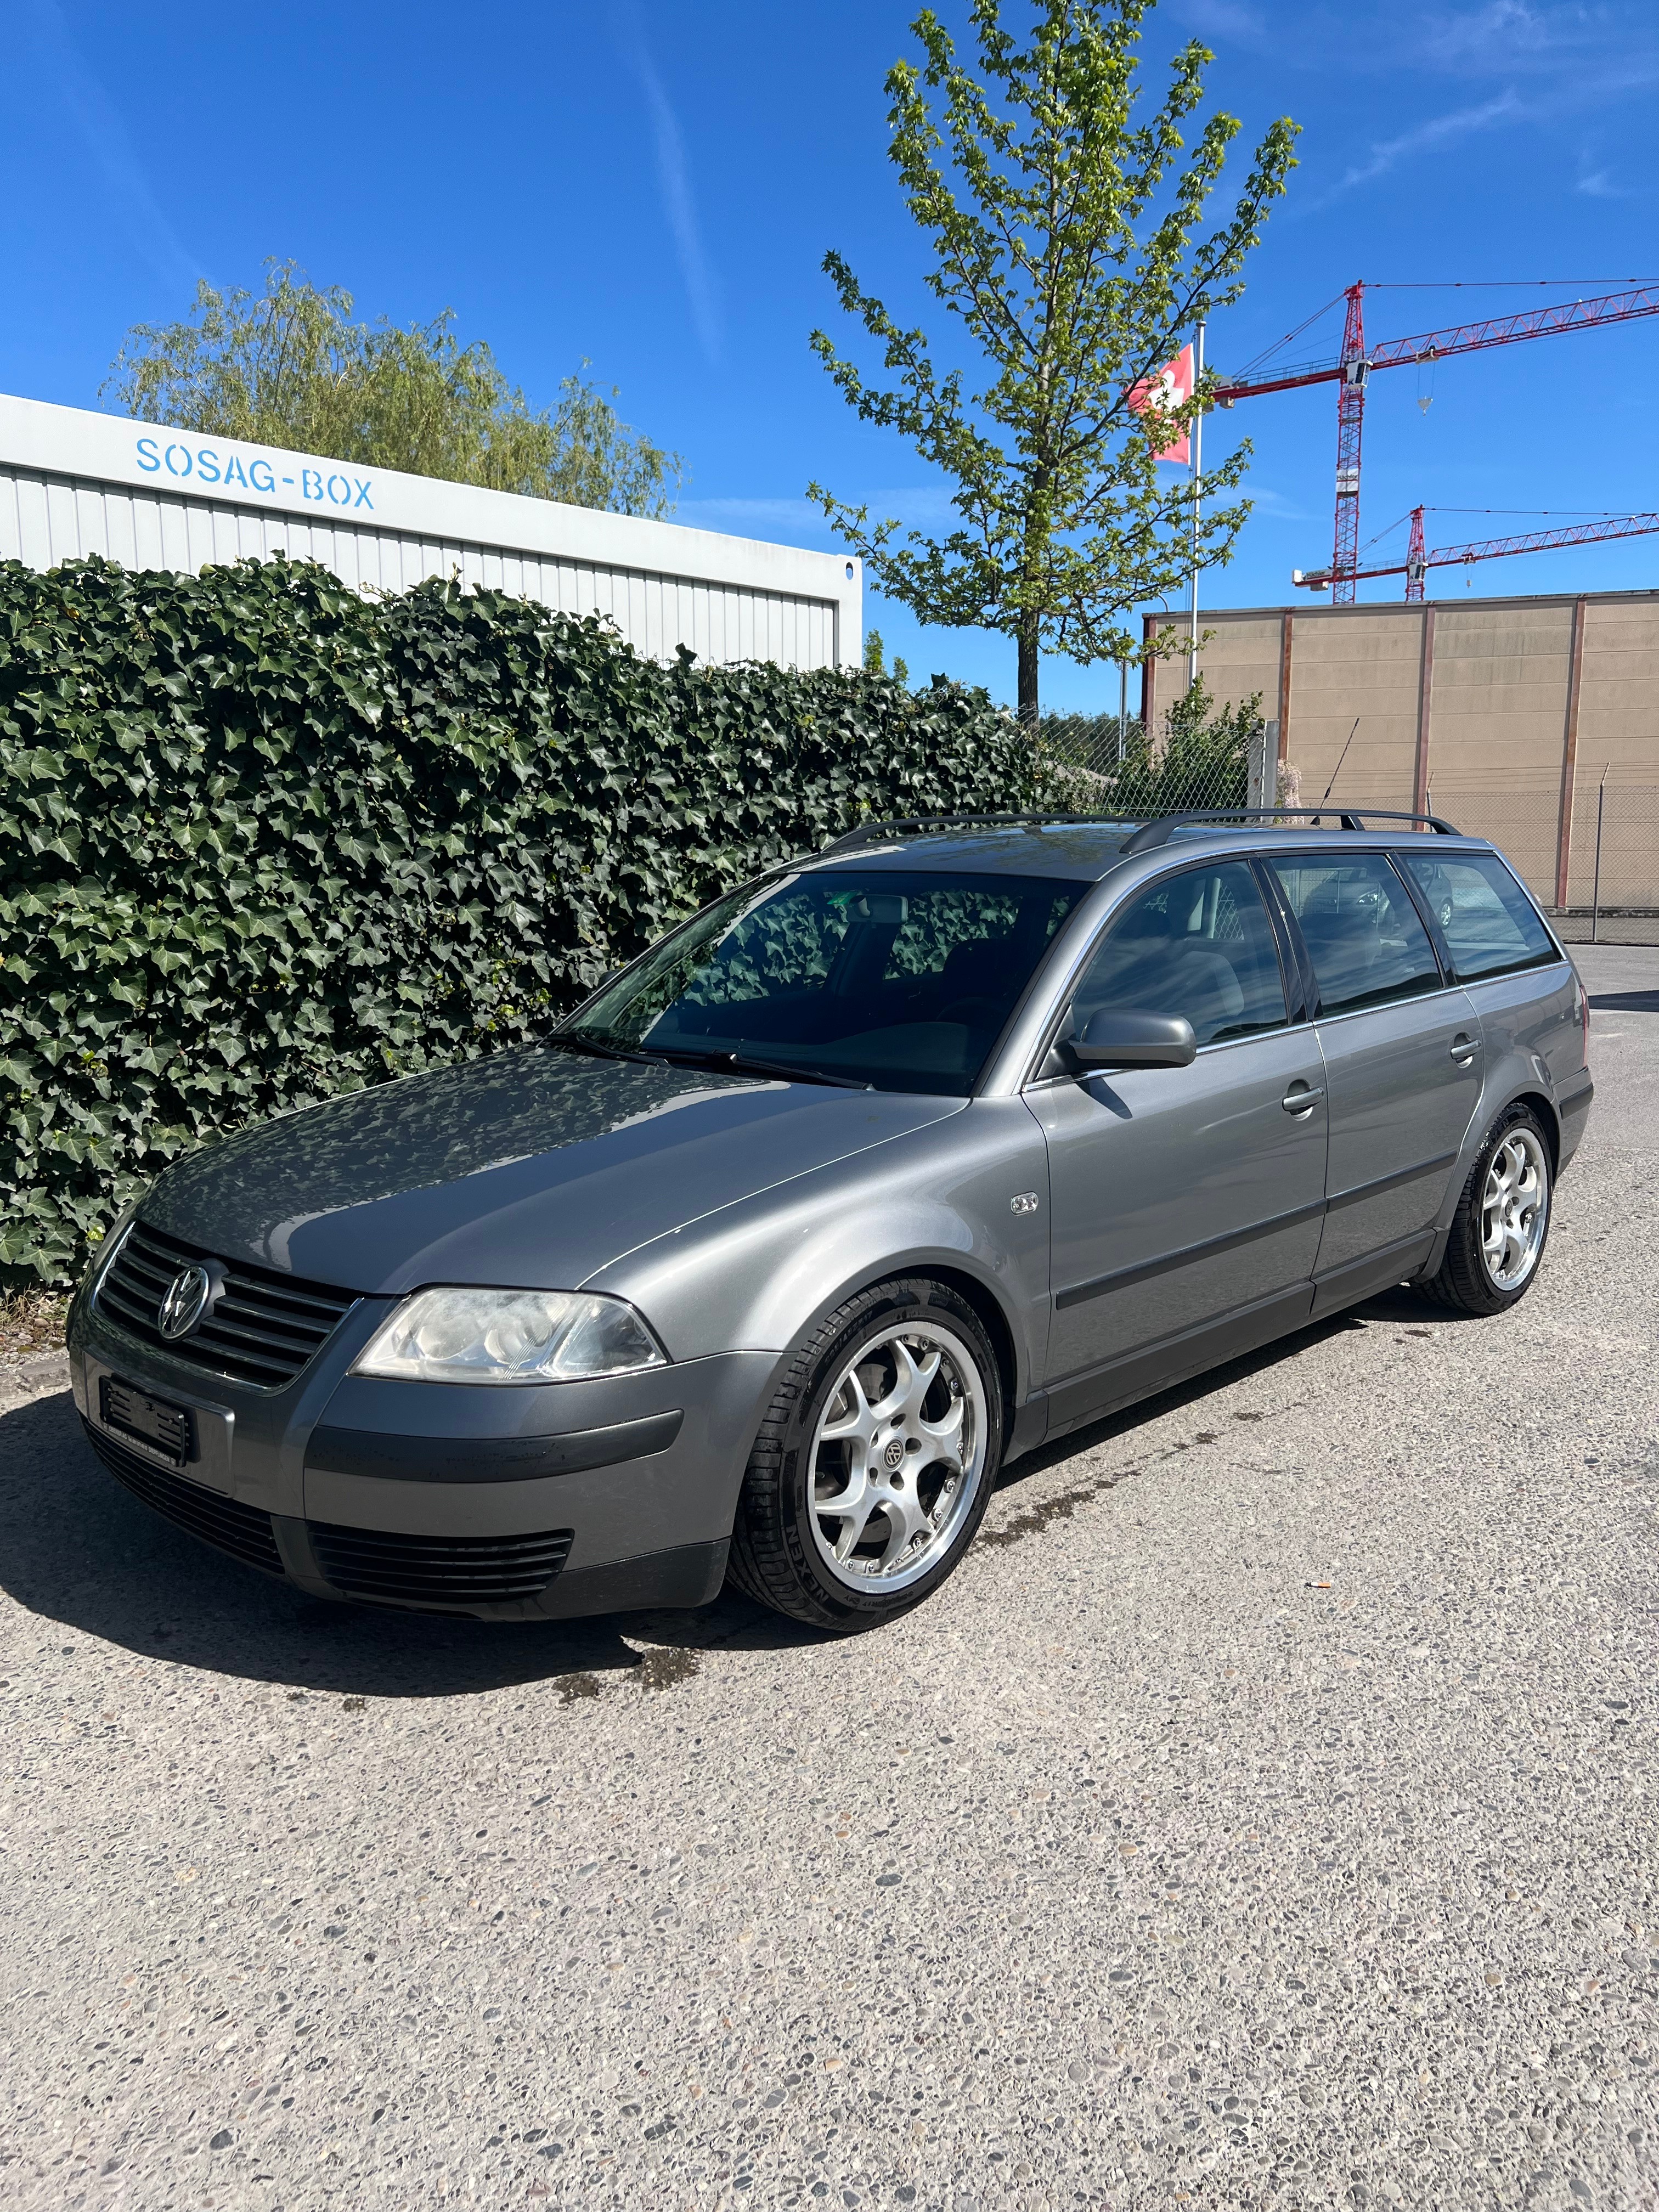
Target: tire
[(910, 1451), (1479, 1277)]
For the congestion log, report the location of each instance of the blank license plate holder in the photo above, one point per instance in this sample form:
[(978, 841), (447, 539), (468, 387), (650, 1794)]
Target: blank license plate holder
[(166, 1431)]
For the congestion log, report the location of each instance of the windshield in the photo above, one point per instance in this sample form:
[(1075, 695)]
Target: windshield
[(904, 982)]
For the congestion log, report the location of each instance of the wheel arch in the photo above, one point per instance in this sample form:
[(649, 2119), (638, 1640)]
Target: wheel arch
[(997, 1322), (1543, 1106), (993, 1320)]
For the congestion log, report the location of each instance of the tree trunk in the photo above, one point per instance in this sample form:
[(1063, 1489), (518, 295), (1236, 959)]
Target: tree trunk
[(1028, 634)]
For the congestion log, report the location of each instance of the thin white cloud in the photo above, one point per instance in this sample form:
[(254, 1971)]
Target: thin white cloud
[(1587, 55), (1429, 137), (729, 513), (918, 507), (107, 139), (1497, 34), (1222, 19), (674, 178), (1595, 179), (1274, 507)]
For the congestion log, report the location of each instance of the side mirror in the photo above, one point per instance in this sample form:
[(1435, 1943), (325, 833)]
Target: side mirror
[(1109, 1039)]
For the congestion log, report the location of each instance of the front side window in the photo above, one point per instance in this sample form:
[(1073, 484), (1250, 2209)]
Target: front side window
[(899, 979), (1199, 944), (1366, 939), (1485, 918)]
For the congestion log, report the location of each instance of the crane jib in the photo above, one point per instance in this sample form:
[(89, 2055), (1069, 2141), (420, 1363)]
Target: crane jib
[(1463, 337)]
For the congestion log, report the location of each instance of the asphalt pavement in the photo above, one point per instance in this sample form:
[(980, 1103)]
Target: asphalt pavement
[(1263, 1816)]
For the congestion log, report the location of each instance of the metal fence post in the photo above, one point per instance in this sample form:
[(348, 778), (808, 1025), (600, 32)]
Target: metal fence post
[(1595, 894)]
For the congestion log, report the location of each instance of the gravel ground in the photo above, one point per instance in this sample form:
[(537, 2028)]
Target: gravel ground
[(32, 1356), (1264, 1815)]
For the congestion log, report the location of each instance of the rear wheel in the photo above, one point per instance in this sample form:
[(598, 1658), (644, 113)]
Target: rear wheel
[(874, 1467), (1502, 1222)]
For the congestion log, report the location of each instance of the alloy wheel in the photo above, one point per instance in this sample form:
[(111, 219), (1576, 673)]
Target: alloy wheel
[(897, 1457), (1514, 1208)]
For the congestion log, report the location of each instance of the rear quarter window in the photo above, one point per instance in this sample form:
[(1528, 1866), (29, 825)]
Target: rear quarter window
[(1488, 922)]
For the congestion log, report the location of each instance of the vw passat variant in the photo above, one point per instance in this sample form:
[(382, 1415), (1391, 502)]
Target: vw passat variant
[(879, 1171)]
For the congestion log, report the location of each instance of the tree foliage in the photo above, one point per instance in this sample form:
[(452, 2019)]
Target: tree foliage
[(1067, 233), (288, 367), (875, 658), (263, 840)]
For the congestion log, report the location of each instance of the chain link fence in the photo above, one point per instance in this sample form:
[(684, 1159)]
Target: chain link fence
[(1105, 765), (1608, 893)]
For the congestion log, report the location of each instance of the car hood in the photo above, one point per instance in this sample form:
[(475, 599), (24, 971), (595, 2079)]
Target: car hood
[(533, 1168)]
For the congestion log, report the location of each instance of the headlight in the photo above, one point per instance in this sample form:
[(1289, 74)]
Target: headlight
[(509, 1336)]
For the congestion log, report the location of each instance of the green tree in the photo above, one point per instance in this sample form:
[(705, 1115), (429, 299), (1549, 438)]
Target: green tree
[(288, 367), (875, 662), (1064, 229)]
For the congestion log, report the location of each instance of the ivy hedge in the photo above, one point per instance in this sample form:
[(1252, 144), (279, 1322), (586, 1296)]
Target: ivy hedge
[(263, 839)]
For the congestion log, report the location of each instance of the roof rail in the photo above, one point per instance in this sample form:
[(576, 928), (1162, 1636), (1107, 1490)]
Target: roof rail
[(1145, 837), (912, 825), (1349, 817)]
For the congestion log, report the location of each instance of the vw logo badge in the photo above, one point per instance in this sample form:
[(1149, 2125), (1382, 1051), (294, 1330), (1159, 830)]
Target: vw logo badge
[(183, 1301), (894, 1456)]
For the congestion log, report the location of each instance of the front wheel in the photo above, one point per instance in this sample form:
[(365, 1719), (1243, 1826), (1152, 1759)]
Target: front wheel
[(1503, 1220), (874, 1467)]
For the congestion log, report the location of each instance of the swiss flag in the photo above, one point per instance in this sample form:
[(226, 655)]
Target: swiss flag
[(1167, 390)]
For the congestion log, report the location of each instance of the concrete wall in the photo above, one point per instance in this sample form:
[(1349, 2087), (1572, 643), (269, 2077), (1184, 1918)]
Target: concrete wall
[(73, 483), (1504, 714)]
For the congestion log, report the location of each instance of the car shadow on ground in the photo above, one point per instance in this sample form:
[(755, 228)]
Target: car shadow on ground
[(77, 1551), (1624, 1002), (1402, 1309)]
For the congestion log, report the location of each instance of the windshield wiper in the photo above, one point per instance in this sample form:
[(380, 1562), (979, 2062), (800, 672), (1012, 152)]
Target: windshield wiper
[(742, 1063), (572, 1042)]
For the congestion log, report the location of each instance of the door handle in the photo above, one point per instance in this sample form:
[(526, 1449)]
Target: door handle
[(1302, 1101), (1463, 1049)]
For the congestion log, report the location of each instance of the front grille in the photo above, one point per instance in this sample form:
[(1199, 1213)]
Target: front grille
[(262, 1327), (241, 1530), (444, 1571)]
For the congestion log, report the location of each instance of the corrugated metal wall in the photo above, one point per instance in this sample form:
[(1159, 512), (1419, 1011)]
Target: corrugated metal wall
[(45, 519), (74, 483)]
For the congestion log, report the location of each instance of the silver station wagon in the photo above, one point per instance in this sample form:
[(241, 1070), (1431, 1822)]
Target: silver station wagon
[(880, 1171)]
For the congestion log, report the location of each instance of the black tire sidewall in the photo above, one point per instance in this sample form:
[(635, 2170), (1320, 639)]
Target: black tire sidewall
[(882, 1307)]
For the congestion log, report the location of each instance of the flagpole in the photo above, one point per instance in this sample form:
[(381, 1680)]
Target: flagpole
[(1198, 465)]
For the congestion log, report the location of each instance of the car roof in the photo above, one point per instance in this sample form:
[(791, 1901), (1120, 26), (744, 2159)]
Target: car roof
[(1087, 850), (1071, 850)]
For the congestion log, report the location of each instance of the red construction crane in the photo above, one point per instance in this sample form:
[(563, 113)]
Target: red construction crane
[(1418, 561), (1351, 372)]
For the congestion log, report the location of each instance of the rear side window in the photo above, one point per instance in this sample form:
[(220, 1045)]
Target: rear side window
[(1485, 918), (1366, 939), (1199, 944)]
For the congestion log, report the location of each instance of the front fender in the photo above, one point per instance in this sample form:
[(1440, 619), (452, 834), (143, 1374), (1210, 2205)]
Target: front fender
[(761, 1273)]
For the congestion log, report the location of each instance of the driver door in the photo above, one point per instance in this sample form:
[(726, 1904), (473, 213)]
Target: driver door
[(1186, 1202)]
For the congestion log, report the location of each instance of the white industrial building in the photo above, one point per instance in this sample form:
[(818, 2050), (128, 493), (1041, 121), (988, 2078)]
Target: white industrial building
[(73, 482)]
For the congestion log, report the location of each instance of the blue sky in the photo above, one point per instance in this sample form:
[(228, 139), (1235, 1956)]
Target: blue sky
[(651, 187)]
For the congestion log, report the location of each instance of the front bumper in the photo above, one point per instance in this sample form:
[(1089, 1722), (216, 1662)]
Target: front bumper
[(546, 1502)]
